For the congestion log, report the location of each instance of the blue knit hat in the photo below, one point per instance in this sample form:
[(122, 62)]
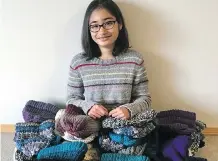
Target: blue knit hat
[(32, 137), (123, 157), (125, 140), (74, 151)]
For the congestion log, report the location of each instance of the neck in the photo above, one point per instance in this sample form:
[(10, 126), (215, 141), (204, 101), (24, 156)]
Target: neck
[(106, 53)]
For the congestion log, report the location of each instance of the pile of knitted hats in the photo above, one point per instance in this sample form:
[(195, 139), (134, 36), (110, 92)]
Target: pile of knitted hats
[(180, 135), (36, 138), (127, 136)]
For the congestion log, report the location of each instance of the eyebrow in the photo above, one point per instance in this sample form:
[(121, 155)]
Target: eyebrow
[(103, 19)]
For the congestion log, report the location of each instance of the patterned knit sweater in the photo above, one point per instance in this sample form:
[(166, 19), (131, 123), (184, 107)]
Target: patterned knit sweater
[(109, 82)]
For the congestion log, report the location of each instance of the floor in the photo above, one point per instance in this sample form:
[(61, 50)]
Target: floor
[(210, 151)]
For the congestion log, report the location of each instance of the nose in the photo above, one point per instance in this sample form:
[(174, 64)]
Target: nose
[(102, 29)]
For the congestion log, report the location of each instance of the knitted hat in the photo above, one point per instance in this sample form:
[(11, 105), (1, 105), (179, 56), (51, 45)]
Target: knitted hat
[(108, 145), (74, 110), (125, 140), (80, 126), (32, 146), (139, 120), (122, 157), (135, 132), (74, 151), (176, 148), (179, 128), (32, 137), (35, 111), (175, 119), (19, 156), (177, 113), (181, 145), (200, 125), (72, 138)]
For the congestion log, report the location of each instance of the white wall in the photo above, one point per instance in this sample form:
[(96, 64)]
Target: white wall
[(178, 39)]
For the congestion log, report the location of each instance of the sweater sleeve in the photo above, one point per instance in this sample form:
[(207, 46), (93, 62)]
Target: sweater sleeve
[(141, 99), (75, 90)]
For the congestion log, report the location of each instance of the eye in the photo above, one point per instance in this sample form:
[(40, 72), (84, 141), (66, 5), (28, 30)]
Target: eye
[(94, 26), (109, 23)]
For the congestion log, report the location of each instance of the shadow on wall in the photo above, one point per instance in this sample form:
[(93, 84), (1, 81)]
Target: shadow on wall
[(146, 32)]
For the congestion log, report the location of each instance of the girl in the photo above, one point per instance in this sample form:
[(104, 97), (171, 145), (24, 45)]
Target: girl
[(107, 78)]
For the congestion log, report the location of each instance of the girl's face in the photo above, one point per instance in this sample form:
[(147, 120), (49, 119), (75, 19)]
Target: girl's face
[(105, 35)]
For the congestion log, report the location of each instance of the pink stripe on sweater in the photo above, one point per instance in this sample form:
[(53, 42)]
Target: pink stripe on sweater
[(106, 64)]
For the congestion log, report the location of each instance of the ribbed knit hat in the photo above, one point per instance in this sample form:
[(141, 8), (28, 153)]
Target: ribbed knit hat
[(108, 145), (81, 126), (123, 157), (135, 132), (139, 120), (35, 111), (174, 119), (177, 113), (74, 151), (32, 137), (125, 140)]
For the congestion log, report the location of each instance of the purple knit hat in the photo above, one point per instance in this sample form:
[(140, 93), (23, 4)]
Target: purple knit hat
[(35, 111), (177, 148)]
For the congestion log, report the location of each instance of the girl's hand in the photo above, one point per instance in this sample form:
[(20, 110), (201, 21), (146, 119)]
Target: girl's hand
[(97, 111), (120, 113)]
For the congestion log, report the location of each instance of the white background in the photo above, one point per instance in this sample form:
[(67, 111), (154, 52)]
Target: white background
[(178, 39)]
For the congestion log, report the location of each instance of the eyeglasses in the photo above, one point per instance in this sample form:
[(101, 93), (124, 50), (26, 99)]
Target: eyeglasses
[(106, 25)]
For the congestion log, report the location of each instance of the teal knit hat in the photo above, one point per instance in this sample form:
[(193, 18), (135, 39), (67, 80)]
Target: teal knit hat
[(123, 157), (73, 151)]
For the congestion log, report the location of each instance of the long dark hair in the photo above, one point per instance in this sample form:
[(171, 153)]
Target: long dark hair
[(90, 48)]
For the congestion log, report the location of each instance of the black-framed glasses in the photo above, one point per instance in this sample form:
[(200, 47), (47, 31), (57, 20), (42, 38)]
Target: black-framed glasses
[(106, 25)]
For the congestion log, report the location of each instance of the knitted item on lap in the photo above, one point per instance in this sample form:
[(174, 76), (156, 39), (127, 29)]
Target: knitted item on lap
[(123, 139), (36, 111), (139, 120), (81, 126), (135, 132), (122, 157), (74, 151)]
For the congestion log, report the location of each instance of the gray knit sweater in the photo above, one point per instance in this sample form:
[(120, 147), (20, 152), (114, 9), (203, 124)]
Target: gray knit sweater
[(111, 83)]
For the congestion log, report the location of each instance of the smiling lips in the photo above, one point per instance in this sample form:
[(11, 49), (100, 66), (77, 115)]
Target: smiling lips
[(104, 38)]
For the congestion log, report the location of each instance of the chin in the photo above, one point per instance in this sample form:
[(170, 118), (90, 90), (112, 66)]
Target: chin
[(105, 44)]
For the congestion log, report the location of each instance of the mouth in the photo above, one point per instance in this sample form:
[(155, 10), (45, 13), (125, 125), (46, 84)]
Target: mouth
[(104, 38)]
